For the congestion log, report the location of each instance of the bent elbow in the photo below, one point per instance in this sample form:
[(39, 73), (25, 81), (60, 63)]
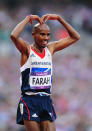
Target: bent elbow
[(78, 37), (12, 36)]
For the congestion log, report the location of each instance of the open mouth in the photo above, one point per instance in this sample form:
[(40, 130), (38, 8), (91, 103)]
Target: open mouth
[(44, 42)]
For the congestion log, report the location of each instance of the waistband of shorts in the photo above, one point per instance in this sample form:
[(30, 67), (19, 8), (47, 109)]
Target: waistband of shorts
[(37, 93)]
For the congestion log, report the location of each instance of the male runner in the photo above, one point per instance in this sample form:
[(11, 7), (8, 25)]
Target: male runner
[(35, 109)]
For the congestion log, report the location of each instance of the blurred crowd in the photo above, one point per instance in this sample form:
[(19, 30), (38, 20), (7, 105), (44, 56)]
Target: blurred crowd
[(72, 67)]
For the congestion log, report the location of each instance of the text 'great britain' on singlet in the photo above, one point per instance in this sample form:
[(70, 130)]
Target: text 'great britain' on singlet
[(36, 73)]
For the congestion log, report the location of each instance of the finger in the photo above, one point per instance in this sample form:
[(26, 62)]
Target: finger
[(46, 19), (42, 21), (31, 18), (43, 17), (39, 20), (31, 21)]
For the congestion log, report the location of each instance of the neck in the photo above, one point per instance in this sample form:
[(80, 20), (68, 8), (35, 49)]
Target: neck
[(38, 48)]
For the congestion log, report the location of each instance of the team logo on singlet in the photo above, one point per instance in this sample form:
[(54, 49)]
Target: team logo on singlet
[(40, 78), (32, 55)]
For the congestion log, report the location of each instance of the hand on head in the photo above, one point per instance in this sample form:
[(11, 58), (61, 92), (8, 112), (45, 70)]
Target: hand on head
[(44, 18), (35, 17), (50, 17)]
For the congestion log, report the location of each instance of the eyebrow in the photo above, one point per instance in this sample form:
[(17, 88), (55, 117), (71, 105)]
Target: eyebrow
[(45, 33)]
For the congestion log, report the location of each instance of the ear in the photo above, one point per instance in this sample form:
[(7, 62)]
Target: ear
[(33, 33)]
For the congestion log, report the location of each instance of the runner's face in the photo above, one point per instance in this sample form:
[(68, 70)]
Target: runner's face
[(42, 36)]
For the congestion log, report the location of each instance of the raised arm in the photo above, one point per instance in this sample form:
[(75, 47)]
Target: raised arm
[(62, 43), (20, 44)]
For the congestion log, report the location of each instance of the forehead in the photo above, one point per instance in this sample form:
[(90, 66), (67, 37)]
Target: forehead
[(42, 28)]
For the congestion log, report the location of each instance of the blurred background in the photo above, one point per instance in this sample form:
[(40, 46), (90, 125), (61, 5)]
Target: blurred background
[(72, 67)]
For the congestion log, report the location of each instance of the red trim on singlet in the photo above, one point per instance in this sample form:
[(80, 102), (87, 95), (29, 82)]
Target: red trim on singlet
[(52, 112), (39, 54), (26, 107)]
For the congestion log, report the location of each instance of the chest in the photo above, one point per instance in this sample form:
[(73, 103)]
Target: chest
[(37, 61)]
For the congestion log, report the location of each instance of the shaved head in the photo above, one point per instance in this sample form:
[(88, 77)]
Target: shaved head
[(41, 35), (38, 27)]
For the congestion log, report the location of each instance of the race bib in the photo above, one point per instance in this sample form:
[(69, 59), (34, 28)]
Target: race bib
[(40, 78)]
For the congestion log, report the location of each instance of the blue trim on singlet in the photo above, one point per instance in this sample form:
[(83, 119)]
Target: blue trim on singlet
[(40, 71)]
